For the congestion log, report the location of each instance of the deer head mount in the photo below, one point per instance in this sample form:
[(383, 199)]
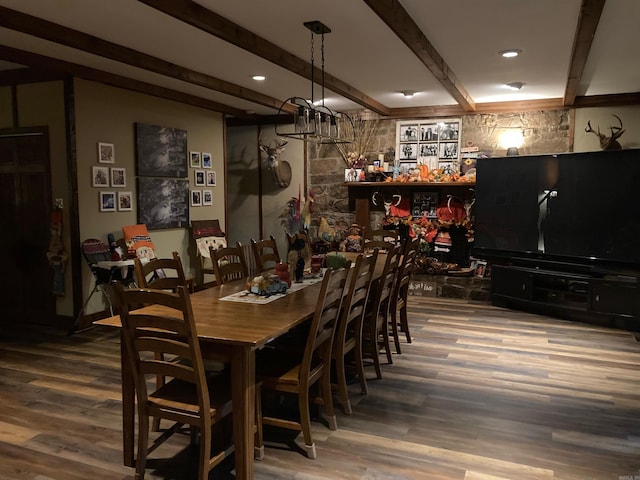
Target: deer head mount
[(608, 143), (281, 169)]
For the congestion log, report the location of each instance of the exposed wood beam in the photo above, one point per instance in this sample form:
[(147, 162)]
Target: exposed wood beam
[(28, 75), (400, 22), (590, 13), (33, 59), (212, 23), (88, 43)]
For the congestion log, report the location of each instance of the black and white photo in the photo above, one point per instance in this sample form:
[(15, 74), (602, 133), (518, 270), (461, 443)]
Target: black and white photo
[(199, 178), (163, 202), (118, 177), (207, 197), (125, 201), (100, 176), (106, 153), (196, 198), (211, 179)]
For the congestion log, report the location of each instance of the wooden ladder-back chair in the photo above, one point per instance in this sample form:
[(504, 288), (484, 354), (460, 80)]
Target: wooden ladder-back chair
[(229, 263), (399, 298), (348, 335), (375, 331), (206, 234), (379, 238), (161, 273), (265, 253), (189, 397), (296, 372)]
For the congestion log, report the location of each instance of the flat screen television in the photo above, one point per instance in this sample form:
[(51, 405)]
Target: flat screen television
[(578, 209)]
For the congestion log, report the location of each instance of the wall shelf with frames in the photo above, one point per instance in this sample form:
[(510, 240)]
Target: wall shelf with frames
[(435, 143)]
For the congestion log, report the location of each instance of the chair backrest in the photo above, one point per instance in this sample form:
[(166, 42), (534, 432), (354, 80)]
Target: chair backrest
[(154, 340), (385, 287), (357, 294), (380, 238), (317, 353), (206, 234), (405, 269), (160, 273), (228, 263), (265, 253)]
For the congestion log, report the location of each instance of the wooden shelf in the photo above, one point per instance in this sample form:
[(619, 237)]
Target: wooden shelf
[(409, 184)]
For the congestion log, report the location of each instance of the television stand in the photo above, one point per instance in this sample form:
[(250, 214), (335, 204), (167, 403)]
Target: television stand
[(606, 300)]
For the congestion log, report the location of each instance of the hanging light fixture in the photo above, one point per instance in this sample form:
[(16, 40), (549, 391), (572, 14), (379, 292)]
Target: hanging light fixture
[(313, 121)]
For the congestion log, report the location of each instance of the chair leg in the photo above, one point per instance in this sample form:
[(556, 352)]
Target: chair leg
[(385, 341), (143, 441), (360, 366), (328, 398), (205, 452), (342, 383), (404, 323), (394, 331), (305, 423)]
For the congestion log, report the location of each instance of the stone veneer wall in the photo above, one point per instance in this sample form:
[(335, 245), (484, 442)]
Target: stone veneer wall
[(543, 131)]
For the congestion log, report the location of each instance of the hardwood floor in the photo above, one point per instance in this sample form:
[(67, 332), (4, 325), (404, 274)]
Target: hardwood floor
[(482, 393)]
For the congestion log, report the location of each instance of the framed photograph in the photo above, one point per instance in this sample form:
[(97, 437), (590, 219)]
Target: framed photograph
[(100, 176), (106, 153), (195, 159), (107, 201), (211, 179), (163, 202), (207, 197), (125, 201), (352, 174), (409, 133), (409, 151), (196, 198), (481, 268), (161, 151), (449, 150), (206, 160), (118, 177), (429, 132), (199, 178)]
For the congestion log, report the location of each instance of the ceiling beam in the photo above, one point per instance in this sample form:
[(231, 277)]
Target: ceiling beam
[(43, 62), (590, 12), (88, 43), (400, 22), (212, 23)]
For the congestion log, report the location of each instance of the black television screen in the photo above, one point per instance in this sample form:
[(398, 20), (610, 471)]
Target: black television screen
[(578, 207)]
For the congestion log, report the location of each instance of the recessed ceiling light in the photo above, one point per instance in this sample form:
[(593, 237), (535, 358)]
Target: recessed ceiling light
[(408, 93), (259, 78), (515, 85), (512, 52)]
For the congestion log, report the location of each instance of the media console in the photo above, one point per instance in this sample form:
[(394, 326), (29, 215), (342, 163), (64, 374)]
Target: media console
[(594, 297)]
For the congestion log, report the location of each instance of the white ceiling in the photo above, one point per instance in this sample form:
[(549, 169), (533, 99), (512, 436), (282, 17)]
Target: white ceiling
[(361, 50)]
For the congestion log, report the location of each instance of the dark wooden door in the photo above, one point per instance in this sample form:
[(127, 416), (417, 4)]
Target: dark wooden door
[(25, 204)]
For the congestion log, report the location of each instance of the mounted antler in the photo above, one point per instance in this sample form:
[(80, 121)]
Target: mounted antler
[(608, 143), (281, 170)]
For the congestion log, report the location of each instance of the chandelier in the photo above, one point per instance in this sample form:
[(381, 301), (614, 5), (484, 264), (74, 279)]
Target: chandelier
[(312, 120)]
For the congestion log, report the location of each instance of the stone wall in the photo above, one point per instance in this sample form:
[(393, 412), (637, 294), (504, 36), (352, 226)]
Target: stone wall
[(543, 131)]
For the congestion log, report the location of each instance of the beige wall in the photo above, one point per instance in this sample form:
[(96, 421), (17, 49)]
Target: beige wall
[(106, 114)]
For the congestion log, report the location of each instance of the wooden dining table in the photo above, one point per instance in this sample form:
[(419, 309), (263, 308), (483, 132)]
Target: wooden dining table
[(231, 332)]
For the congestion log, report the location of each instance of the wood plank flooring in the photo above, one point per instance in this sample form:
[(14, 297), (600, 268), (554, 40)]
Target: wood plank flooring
[(482, 393)]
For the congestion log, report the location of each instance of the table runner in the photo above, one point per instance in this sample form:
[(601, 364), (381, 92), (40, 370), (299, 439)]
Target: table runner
[(246, 296)]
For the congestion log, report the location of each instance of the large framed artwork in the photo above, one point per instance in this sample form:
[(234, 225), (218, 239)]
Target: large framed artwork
[(161, 151), (435, 143), (163, 202)]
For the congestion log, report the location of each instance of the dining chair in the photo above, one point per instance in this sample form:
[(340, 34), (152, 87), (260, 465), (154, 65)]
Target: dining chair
[(265, 253), (161, 273), (206, 234), (228, 263), (399, 298), (190, 397), (375, 335), (296, 371), (379, 238), (348, 336)]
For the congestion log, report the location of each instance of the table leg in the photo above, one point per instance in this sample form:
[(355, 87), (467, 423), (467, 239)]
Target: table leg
[(243, 396), (128, 406)]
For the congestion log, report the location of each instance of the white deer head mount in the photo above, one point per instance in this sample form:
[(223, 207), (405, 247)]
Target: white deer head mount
[(281, 169)]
